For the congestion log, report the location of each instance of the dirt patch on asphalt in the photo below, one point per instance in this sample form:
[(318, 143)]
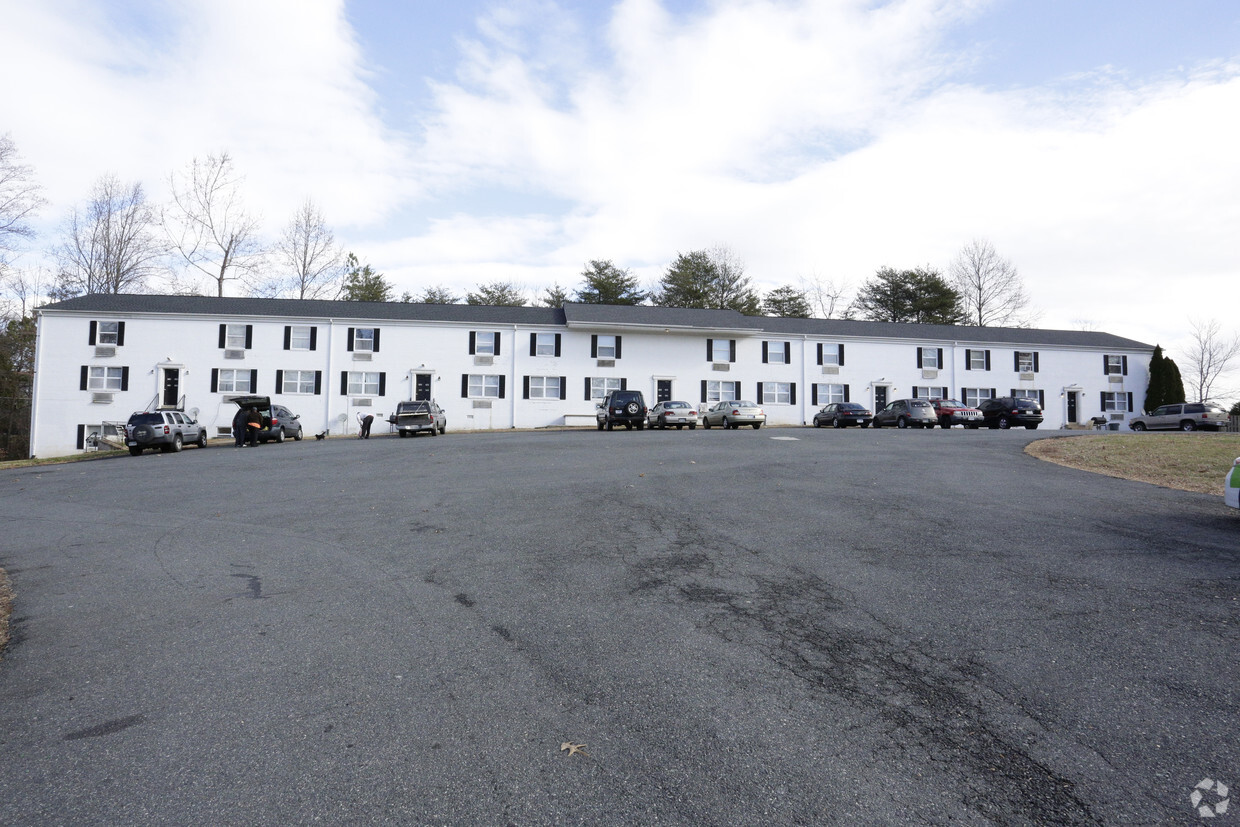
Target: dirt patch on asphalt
[(1189, 462), (6, 610)]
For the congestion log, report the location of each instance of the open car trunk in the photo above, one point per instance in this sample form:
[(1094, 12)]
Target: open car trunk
[(260, 403)]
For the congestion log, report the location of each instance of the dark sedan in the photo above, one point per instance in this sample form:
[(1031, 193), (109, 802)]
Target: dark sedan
[(843, 414)]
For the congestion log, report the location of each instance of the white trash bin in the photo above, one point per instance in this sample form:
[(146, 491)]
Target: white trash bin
[(1231, 487)]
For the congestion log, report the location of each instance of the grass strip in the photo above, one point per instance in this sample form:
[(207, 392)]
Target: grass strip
[(1185, 461)]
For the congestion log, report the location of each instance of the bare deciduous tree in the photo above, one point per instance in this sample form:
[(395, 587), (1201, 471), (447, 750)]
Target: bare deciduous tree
[(825, 296), (311, 264), (22, 290), (208, 225), (991, 291), (1209, 356), (111, 244), (20, 199)]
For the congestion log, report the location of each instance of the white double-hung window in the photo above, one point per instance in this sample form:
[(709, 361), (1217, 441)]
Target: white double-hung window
[(363, 383), (105, 379), (234, 381)]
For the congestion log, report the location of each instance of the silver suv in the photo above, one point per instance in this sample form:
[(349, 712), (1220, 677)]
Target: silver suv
[(1185, 416), (168, 431)]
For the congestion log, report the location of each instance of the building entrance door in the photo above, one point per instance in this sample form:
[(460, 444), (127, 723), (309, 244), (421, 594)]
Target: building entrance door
[(421, 386), (172, 388), (663, 390), (1072, 406), (880, 397)]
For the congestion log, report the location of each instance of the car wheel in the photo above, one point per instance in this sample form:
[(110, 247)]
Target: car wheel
[(280, 435), (402, 434), (1137, 426), (901, 423), (1188, 425), (706, 423), (600, 426), (134, 451), (434, 430), (611, 426), (443, 429), (297, 436), (835, 423), (632, 409), (726, 424), (202, 439), (757, 425), (177, 444), (1004, 424)]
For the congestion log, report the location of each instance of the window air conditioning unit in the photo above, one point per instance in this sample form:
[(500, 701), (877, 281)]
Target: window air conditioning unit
[(361, 357), (1027, 377), (482, 403), (360, 403), (234, 354), (105, 350), (929, 374), (606, 363), (830, 370), (484, 360), (102, 398), (723, 366), (1115, 379)]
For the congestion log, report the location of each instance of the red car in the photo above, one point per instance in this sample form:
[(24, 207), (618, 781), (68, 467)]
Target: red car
[(954, 412)]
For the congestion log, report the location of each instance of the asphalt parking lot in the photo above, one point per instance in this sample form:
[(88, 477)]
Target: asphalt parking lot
[(784, 626)]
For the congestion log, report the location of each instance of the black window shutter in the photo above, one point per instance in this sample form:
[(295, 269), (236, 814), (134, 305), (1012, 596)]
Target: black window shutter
[(376, 341), (254, 381), (288, 337), (765, 348), (382, 380), (1129, 398), (318, 382), (249, 336), (987, 359), (501, 386), (1013, 392), (349, 343), (813, 392), (344, 383), (846, 399), (710, 354), (940, 360), (223, 335), (1124, 363), (125, 378), (85, 376), (820, 353), (703, 388), (533, 344), (1035, 361), (993, 393), (841, 355), (968, 359), (792, 393), (557, 344), (1042, 399), (464, 385), (787, 353), (120, 333), (564, 387), (587, 388), (1102, 401), (314, 338), (618, 346), (90, 340), (594, 346), (919, 357), (759, 399), (495, 338), (81, 430), (215, 380), (279, 381), (473, 342), (525, 387), (624, 384), (1106, 367), (731, 350), (736, 389)]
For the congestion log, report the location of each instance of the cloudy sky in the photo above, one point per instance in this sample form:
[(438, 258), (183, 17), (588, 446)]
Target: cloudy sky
[(1093, 143)]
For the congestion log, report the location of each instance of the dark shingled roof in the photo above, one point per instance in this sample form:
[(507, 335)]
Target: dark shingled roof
[(597, 315)]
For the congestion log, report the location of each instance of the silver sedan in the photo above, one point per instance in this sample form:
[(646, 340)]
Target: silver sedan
[(734, 414), (672, 415)]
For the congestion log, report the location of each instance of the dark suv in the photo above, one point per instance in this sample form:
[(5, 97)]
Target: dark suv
[(278, 421), (166, 430), (627, 408), (1006, 411)]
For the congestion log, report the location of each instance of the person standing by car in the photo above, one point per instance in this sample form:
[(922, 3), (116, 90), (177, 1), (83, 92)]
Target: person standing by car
[(367, 421), (238, 426), (253, 424)]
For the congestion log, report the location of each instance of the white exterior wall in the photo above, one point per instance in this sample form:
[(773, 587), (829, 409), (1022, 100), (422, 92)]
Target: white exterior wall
[(190, 344)]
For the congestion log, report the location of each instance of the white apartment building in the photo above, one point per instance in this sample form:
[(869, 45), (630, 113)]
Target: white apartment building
[(99, 358)]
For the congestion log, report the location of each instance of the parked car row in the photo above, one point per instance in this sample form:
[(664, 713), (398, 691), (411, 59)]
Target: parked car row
[(1184, 416), (170, 431)]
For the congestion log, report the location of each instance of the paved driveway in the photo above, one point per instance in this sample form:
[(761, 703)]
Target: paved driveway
[(784, 626)]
